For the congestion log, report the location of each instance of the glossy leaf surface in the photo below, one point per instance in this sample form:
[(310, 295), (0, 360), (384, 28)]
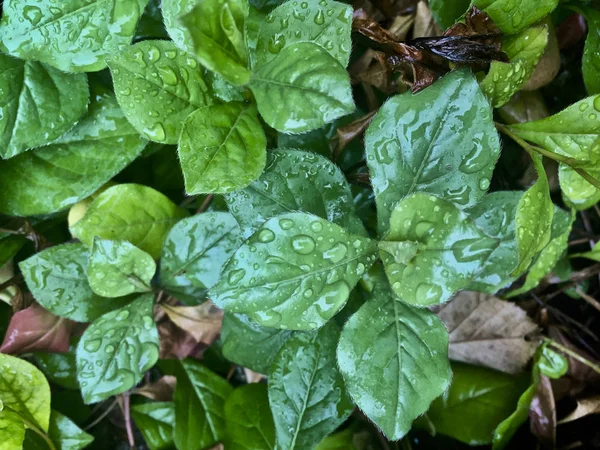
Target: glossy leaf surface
[(591, 58), (155, 421), (512, 16)]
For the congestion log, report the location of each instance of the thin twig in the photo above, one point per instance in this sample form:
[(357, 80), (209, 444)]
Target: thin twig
[(102, 416), (127, 414), (206, 203), (588, 298)]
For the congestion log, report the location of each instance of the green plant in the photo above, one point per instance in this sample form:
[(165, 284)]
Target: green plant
[(323, 285)]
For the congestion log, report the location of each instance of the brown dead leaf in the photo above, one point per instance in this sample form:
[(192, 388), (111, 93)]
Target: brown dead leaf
[(425, 25), (585, 407), (401, 26), (542, 414), (253, 377), (177, 344), (202, 322), (524, 107), (571, 31), (161, 390), (549, 64), (346, 134), (487, 331)]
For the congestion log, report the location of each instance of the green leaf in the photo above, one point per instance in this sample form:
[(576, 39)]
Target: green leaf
[(9, 246), (534, 218), (495, 216), (301, 89), (73, 36), (446, 12), (199, 407), (172, 10), (512, 16), (524, 51), (57, 279), (25, 392), (41, 103), (549, 256), (306, 391), (433, 249), (594, 254), (477, 401), (60, 368), (155, 421), (394, 359), (577, 191), (194, 253), (250, 345), (12, 430), (130, 212), (217, 32), (56, 176), (505, 430), (248, 419), (573, 132), (66, 435), (222, 148), (289, 183), (296, 272), (413, 144), (591, 57), (326, 23), (158, 86), (116, 350), (117, 268), (344, 440)]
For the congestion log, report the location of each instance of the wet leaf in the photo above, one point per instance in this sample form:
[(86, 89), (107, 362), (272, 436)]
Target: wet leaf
[(489, 332), (36, 329), (326, 23), (301, 89), (117, 268), (512, 16), (130, 212), (60, 368), (65, 434), (57, 279), (200, 398), (203, 322), (394, 360), (296, 272), (289, 183), (116, 350), (172, 10), (577, 192), (158, 86), (95, 30), (95, 150), (222, 148), (155, 421), (194, 253), (248, 419), (591, 58), (432, 250), (306, 409), (41, 104), (447, 12), (412, 145), (250, 345)]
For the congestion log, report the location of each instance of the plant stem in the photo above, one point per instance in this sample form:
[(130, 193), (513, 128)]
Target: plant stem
[(573, 355), (206, 203), (126, 413), (40, 433), (101, 416)]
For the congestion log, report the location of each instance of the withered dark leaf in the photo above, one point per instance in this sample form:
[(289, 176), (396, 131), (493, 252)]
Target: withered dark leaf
[(346, 134), (177, 344), (542, 414), (160, 391)]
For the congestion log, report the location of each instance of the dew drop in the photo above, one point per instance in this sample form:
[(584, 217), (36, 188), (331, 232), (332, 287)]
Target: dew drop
[(286, 224), (235, 276), (156, 132), (303, 244), (123, 315), (319, 17), (93, 345), (336, 253), (266, 236)]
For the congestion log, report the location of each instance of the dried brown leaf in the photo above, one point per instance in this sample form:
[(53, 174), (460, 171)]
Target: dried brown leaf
[(346, 134), (425, 25), (549, 64), (487, 331), (585, 407), (176, 343), (202, 322), (253, 377), (161, 390), (542, 414)]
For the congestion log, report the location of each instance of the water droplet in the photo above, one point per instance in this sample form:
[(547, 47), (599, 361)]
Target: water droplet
[(109, 349), (93, 345), (484, 183), (286, 224), (276, 43), (583, 107), (319, 17), (303, 244), (428, 294), (153, 53), (168, 75), (308, 293), (33, 14), (266, 236), (336, 253), (122, 315), (235, 276), (148, 322), (304, 5), (316, 226), (156, 132), (597, 103)]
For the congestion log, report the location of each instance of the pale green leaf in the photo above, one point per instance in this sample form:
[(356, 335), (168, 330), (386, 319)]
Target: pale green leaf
[(591, 52), (222, 148), (217, 29), (248, 419), (534, 219), (117, 268), (72, 35), (295, 180), (495, 216), (24, 391), (394, 359), (41, 103), (65, 434), (200, 398), (326, 23), (306, 392), (301, 89), (296, 272), (130, 212), (12, 430), (577, 191), (56, 277), (593, 254), (116, 350), (194, 253), (158, 86), (172, 10), (432, 250), (56, 176), (250, 345), (524, 51), (441, 140), (155, 421), (512, 16)]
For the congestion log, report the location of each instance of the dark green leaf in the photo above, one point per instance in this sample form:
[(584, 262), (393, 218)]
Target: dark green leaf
[(394, 359), (441, 140), (296, 272), (116, 350), (57, 279), (65, 434), (155, 421), (512, 16), (249, 420), (60, 368), (306, 391), (591, 56), (222, 148), (446, 12)]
